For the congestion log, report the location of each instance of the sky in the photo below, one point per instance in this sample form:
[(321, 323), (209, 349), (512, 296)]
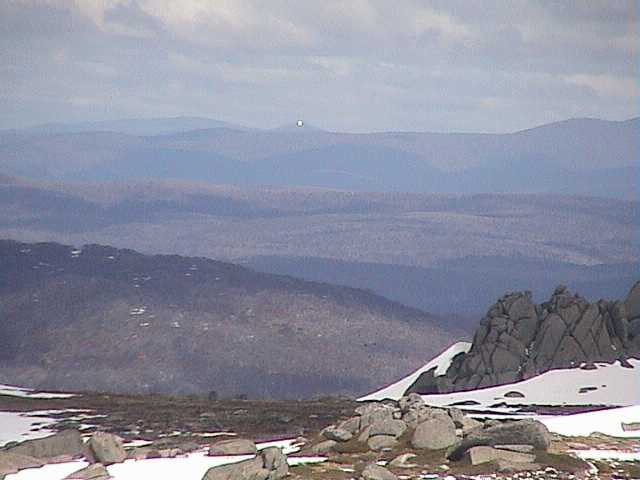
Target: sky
[(358, 65)]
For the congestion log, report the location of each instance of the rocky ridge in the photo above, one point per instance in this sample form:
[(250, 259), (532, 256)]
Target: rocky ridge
[(518, 339)]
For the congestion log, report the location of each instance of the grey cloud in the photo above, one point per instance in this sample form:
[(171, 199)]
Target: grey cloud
[(363, 65)]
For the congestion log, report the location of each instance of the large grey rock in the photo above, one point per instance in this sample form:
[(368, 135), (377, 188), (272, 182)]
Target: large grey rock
[(252, 469), (410, 401), (382, 442), (434, 434), (235, 446), (97, 471), (337, 434), (372, 413), (483, 454), (387, 426), (323, 447), (275, 461), (421, 413), (14, 462), (530, 432), (105, 448), (67, 442), (351, 425), (269, 464), (376, 472)]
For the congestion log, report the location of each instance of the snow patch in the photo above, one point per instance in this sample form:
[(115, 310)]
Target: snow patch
[(22, 392), (608, 422)]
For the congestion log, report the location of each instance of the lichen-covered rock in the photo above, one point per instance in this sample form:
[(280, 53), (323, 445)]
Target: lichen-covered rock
[(518, 339)]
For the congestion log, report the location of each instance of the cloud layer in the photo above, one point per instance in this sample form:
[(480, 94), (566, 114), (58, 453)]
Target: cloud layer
[(454, 65)]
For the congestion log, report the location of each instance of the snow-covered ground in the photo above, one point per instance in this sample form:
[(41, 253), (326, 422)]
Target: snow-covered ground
[(18, 426), (608, 422), (13, 391), (608, 384), (189, 467)]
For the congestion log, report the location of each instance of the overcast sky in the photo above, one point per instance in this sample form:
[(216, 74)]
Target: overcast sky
[(347, 65)]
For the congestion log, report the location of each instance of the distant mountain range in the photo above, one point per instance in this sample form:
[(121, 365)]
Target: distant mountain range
[(134, 126), (440, 253), (106, 319), (580, 156)]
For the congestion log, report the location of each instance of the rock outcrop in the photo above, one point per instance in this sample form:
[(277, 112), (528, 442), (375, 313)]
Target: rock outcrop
[(518, 339)]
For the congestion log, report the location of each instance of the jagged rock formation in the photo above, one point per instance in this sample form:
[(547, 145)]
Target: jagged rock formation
[(518, 339)]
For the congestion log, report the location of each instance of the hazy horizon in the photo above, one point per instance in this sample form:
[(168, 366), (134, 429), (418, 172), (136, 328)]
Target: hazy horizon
[(366, 66)]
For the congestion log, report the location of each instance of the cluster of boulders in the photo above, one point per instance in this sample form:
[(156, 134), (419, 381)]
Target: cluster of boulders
[(410, 424), (102, 449), (518, 339)]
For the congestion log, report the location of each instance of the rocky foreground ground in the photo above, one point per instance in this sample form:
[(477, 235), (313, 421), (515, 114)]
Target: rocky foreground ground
[(372, 441)]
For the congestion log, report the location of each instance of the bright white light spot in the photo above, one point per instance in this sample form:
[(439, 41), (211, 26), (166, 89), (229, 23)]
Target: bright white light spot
[(300, 123)]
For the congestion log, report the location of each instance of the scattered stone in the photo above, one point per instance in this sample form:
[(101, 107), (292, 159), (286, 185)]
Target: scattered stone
[(376, 472), (235, 446), (434, 434), (97, 471), (105, 448)]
